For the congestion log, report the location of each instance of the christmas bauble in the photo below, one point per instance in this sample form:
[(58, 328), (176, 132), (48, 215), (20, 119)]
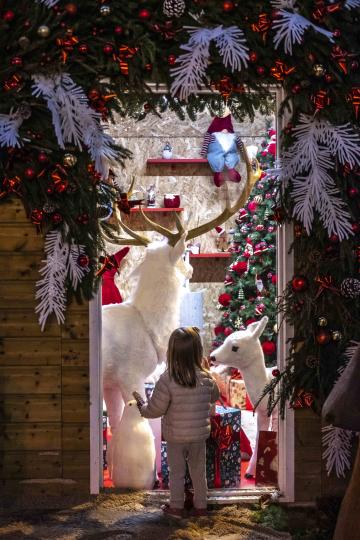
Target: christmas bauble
[(8, 15), (42, 158), (239, 267), (43, 31), (224, 299), (108, 48), (252, 206), (253, 57), (105, 10), (353, 192), (83, 48), (147, 106), (83, 261), (228, 331), (228, 6), (173, 8), (296, 89), (144, 14), (37, 216), (259, 309), (61, 187), (329, 78), (24, 42), (323, 337), (69, 160), (171, 59), (336, 335), (219, 330), (355, 227), (16, 61), (322, 321), (354, 65), (94, 94), (299, 283), (350, 288), (260, 70), (118, 30), (275, 372), (29, 173), (71, 8)]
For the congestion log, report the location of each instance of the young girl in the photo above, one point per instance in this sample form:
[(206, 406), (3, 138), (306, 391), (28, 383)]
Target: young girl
[(183, 397)]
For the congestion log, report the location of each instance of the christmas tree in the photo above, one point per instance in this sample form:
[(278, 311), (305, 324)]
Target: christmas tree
[(250, 283)]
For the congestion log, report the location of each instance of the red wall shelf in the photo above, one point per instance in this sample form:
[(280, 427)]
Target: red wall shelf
[(159, 161), (149, 209), (220, 254)]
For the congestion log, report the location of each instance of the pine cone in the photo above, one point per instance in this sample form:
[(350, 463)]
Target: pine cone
[(173, 8)]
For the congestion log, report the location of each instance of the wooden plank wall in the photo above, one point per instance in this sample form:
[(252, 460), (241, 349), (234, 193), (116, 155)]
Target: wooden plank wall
[(44, 376)]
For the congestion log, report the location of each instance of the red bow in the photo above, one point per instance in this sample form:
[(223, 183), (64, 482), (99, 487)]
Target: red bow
[(340, 55), (281, 70), (222, 436), (10, 185), (354, 97), (303, 399), (325, 283), (108, 263), (322, 10), (262, 26), (166, 31), (125, 53)]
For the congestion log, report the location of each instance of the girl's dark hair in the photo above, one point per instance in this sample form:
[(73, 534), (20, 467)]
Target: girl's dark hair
[(184, 355)]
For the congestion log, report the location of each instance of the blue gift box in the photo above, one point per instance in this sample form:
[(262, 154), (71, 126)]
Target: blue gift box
[(223, 457)]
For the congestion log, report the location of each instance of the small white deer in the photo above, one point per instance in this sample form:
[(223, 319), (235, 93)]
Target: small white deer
[(135, 336), (242, 350)]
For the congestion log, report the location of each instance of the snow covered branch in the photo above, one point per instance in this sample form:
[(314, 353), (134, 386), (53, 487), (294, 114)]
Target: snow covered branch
[(49, 3), (74, 121), (337, 452), (191, 66), (307, 164)]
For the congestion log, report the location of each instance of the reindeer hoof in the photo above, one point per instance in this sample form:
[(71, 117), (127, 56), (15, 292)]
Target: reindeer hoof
[(248, 476)]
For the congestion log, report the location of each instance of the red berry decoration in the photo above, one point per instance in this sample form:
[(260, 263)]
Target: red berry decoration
[(8, 16), (171, 59), (253, 56), (83, 48), (50, 190), (224, 299), (42, 158), (275, 373), (268, 347), (228, 331), (260, 70), (37, 216), (29, 173), (61, 187), (83, 261), (16, 61), (108, 48), (56, 218), (353, 192), (228, 6), (323, 337), (144, 14), (299, 283)]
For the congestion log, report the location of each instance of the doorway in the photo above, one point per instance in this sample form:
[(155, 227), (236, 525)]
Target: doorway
[(136, 141)]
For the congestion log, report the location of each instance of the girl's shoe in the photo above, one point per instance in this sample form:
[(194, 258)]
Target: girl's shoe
[(176, 513), (218, 179)]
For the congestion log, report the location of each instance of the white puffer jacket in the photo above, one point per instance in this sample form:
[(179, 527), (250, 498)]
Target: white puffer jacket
[(185, 411)]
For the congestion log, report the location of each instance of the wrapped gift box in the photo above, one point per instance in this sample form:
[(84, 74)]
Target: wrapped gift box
[(223, 457), (237, 394), (267, 459)]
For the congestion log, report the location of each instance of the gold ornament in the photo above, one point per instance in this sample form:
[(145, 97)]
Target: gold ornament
[(69, 160), (24, 42), (322, 321), (318, 70), (43, 31), (105, 10), (336, 335)]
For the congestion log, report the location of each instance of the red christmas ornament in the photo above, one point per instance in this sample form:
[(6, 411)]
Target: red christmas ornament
[(56, 218), (354, 65), (37, 216), (252, 206), (171, 59), (94, 94), (50, 190), (61, 187), (268, 347), (299, 283), (71, 9), (355, 227), (296, 89), (8, 16), (144, 14), (42, 158), (16, 61), (228, 331), (239, 267), (353, 192), (228, 6), (108, 48), (29, 173), (83, 48), (253, 57), (260, 70), (275, 372), (118, 30), (249, 321), (147, 106), (83, 261), (224, 299), (323, 337), (219, 330), (274, 279)]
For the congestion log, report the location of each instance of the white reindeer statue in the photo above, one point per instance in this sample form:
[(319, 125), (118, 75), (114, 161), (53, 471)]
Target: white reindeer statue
[(242, 350), (135, 336)]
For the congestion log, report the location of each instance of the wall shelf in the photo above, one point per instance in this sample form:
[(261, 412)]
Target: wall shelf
[(209, 267), (172, 161), (155, 209), (218, 255), (160, 215)]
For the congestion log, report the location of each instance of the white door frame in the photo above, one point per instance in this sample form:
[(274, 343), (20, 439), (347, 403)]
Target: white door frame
[(286, 426)]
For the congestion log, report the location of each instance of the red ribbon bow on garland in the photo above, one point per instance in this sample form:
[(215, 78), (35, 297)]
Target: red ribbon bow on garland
[(125, 53), (325, 283), (66, 45), (320, 99), (303, 399), (108, 263), (321, 10), (10, 185), (281, 70), (340, 55), (354, 98), (166, 30), (222, 436), (262, 26)]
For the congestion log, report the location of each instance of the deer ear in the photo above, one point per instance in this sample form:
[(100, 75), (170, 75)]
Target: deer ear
[(257, 328), (178, 250)]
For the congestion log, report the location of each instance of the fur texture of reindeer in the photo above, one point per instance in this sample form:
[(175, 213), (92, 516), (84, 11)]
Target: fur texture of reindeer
[(242, 350), (135, 336)]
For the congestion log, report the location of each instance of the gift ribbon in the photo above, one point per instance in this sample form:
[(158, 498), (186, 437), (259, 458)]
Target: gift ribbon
[(108, 263), (222, 436)]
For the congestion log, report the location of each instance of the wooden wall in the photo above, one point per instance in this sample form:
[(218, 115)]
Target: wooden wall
[(44, 376)]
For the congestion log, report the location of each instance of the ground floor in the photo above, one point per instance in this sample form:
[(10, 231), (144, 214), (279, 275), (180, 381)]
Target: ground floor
[(137, 516)]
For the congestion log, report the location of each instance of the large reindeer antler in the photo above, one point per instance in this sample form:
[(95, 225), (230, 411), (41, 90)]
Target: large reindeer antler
[(229, 210)]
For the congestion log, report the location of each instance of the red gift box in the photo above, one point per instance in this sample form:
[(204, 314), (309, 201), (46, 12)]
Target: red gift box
[(171, 201), (267, 459)]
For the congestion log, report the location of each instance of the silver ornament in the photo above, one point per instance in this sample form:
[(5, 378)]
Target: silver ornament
[(43, 31), (105, 10)]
